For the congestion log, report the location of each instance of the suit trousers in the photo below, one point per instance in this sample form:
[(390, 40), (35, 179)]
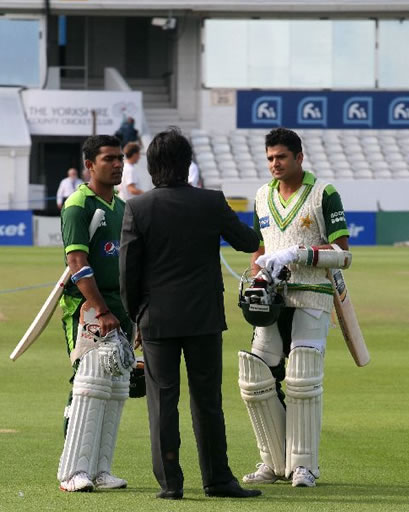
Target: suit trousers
[(203, 358)]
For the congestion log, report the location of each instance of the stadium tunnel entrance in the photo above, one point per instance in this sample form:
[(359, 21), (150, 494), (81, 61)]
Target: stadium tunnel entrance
[(50, 159)]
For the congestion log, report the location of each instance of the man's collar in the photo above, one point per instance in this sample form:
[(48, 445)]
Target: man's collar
[(88, 192), (308, 179)]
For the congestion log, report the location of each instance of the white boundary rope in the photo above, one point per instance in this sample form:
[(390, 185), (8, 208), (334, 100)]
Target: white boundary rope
[(228, 267)]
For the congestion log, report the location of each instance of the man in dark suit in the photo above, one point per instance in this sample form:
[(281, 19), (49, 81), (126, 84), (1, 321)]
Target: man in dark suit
[(172, 287)]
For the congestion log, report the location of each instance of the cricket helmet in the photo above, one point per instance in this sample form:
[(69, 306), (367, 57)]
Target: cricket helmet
[(260, 303)]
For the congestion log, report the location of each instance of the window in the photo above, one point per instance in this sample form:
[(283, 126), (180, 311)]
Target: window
[(22, 52), (393, 53), (289, 53)]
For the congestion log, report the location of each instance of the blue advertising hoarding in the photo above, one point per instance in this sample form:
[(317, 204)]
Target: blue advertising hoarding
[(16, 227), (361, 227), (320, 109)]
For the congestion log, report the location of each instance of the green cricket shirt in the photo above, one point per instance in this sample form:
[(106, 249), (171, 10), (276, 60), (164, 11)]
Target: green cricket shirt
[(103, 249)]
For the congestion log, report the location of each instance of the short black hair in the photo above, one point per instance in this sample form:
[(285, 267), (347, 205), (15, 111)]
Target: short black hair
[(169, 157), (92, 145), (285, 137), (131, 149)]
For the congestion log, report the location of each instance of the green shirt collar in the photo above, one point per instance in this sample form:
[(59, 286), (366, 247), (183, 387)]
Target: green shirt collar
[(308, 179), (88, 192)]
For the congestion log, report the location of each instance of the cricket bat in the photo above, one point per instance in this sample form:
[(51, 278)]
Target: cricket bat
[(40, 322), (348, 320)]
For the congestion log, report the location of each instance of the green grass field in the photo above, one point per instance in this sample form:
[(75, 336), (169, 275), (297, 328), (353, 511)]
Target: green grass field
[(365, 438)]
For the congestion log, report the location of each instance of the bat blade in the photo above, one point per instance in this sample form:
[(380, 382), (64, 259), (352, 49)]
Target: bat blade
[(348, 320), (40, 322)]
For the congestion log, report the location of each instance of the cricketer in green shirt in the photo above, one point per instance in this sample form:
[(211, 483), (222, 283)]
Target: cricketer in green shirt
[(102, 254)]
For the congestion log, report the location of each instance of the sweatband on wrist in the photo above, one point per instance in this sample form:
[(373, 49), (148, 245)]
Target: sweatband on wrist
[(310, 256), (83, 272), (315, 251)]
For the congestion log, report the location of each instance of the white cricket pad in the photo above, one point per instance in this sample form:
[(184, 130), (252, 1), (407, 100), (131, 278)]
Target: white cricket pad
[(267, 414), (92, 387), (110, 424), (304, 378), (268, 345)]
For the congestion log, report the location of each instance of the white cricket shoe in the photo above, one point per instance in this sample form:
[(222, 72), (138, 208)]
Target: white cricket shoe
[(302, 477), (80, 482), (106, 481), (263, 475)]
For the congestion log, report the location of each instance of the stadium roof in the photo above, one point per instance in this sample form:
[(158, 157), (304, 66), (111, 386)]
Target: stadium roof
[(272, 7)]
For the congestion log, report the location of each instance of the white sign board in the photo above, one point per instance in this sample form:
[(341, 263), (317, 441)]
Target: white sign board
[(223, 97), (47, 231), (64, 112)]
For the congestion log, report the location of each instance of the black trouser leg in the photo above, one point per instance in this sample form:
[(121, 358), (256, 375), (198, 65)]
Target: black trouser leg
[(203, 356), (162, 362)]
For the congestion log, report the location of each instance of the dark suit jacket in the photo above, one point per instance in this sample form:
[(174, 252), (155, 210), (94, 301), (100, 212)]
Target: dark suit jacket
[(170, 274)]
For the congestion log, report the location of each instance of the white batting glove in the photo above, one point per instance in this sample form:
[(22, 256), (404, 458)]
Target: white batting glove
[(274, 262)]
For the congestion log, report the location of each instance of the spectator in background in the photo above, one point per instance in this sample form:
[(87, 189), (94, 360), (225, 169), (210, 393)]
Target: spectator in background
[(194, 177), (130, 182), (67, 186), (85, 175), (127, 132)]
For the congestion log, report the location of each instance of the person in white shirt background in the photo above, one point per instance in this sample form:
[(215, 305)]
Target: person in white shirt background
[(194, 176), (67, 186), (130, 181)]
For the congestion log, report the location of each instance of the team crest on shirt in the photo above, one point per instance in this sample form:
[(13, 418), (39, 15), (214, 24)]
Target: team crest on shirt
[(264, 222), (306, 222), (110, 248)]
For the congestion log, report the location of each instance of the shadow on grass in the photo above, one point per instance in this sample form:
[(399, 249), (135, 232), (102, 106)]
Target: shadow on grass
[(343, 493), (324, 493)]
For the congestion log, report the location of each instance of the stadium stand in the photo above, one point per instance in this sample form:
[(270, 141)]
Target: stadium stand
[(330, 154)]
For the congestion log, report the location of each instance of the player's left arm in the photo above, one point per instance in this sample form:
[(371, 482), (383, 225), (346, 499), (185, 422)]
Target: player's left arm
[(335, 221), (77, 261), (134, 190)]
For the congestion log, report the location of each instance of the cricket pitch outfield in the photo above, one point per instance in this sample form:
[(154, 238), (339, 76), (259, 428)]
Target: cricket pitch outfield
[(364, 449)]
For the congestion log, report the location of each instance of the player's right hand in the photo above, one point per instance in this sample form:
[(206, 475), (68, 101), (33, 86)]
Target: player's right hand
[(107, 323)]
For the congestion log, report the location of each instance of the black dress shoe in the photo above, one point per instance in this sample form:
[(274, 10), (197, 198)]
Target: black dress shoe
[(230, 489), (170, 495)]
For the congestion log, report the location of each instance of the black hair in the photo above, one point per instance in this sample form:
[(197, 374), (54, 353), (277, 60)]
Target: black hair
[(92, 145), (286, 138), (169, 157), (131, 149)]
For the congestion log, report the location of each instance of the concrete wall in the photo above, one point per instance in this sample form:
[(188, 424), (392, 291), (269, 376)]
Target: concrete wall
[(187, 67), (216, 116), (14, 175)]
